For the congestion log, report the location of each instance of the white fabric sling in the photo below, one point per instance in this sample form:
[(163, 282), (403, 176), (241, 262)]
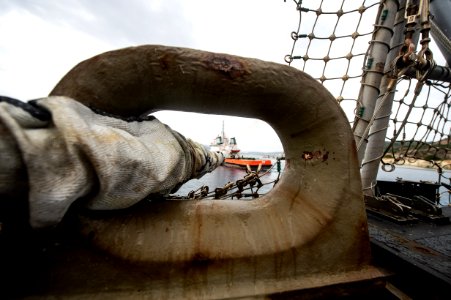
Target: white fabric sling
[(77, 152)]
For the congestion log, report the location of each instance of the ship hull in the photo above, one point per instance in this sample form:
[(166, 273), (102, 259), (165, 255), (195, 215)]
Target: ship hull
[(242, 163)]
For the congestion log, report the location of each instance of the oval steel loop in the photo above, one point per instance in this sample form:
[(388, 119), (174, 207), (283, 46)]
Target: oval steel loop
[(313, 220)]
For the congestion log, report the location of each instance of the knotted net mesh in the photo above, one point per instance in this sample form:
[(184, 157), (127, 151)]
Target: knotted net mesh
[(335, 42)]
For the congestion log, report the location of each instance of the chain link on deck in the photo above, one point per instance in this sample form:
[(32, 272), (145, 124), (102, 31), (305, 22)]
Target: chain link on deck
[(247, 187)]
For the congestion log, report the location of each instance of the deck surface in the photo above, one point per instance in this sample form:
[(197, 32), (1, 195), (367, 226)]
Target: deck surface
[(421, 249)]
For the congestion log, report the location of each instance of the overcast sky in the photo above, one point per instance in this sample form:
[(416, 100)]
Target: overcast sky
[(41, 40)]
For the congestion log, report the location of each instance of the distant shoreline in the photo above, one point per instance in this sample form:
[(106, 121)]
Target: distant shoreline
[(419, 163)]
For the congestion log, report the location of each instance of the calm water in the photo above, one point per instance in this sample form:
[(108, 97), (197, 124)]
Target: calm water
[(223, 175)]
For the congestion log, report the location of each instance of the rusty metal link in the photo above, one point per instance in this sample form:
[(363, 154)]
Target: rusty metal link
[(404, 60), (200, 193), (231, 190), (239, 195), (250, 179), (219, 192)]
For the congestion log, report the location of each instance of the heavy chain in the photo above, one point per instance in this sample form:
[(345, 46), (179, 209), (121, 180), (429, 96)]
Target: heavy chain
[(247, 187)]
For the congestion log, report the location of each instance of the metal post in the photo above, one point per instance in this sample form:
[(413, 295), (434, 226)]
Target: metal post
[(378, 131), (377, 56)]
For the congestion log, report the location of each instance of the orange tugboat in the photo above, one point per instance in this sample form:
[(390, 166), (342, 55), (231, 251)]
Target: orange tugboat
[(229, 148)]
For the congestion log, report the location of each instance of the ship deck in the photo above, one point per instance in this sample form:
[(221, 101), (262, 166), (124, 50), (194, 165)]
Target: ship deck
[(418, 253)]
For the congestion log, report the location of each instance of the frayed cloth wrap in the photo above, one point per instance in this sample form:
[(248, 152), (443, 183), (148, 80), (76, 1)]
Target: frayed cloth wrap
[(79, 153)]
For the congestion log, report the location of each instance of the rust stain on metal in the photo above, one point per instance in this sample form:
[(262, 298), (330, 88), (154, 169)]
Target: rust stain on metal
[(231, 66), (313, 158), (315, 155)]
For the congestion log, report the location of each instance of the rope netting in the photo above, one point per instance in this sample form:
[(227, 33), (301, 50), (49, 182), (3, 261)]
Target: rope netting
[(330, 44), (420, 125), (335, 42), (339, 43)]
